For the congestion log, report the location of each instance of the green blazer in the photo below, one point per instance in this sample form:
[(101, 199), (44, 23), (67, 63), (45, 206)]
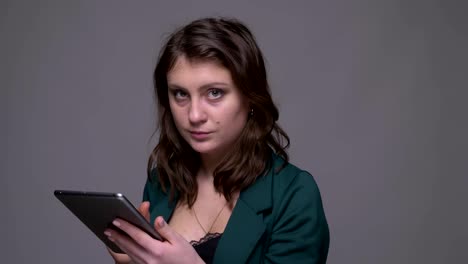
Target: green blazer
[(278, 219)]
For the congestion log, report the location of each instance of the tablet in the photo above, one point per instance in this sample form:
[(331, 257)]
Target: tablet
[(97, 210)]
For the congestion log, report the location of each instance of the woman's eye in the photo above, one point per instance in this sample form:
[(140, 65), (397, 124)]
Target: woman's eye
[(179, 94), (215, 93)]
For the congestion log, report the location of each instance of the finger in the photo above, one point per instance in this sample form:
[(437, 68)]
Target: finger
[(144, 210), (135, 233), (126, 244), (119, 257), (165, 230)]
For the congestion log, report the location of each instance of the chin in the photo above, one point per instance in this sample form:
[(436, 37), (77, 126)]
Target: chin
[(203, 148), (208, 150)]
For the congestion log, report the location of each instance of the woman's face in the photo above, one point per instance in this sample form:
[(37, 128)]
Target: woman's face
[(209, 110)]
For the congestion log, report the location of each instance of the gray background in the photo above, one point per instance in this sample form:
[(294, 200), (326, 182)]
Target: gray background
[(372, 94)]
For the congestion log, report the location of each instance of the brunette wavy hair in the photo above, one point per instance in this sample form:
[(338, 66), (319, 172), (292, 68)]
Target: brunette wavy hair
[(229, 43)]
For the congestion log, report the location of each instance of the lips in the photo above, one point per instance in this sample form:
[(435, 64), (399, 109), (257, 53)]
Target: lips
[(199, 132), (199, 135)]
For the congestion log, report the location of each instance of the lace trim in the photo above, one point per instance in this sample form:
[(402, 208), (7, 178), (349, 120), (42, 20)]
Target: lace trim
[(206, 238)]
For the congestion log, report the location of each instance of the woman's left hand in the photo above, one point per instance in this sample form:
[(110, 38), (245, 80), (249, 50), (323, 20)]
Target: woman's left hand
[(142, 248)]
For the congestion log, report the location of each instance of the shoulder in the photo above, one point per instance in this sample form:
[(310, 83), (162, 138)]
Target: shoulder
[(297, 221), (282, 180), (296, 195), (288, 177)]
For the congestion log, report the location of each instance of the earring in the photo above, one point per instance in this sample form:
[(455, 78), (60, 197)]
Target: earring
[(251, 112)]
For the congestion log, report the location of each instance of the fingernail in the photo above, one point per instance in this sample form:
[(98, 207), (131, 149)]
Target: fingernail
[(108, 234), (116, 223), (162, 223)]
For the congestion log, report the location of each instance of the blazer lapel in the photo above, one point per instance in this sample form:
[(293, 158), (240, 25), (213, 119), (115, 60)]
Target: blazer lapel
[(245, 226), (162, 208)]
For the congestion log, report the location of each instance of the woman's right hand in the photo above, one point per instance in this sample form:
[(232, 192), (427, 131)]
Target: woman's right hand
[(120, 258)]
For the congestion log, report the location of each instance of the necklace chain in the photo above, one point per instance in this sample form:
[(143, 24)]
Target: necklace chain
[(214, 221)]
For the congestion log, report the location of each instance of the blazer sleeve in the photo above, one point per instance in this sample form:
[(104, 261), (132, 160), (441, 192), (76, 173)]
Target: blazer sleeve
[(300, 231), (149, 191), (146, 192)]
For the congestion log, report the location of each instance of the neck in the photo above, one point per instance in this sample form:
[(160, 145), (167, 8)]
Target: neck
[(209, 162)]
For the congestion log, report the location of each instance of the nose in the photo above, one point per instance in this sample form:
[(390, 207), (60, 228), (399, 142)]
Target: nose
[(197, 114)]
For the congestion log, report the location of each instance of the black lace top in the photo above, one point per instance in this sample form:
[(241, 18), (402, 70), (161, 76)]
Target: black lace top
[(206, 246)]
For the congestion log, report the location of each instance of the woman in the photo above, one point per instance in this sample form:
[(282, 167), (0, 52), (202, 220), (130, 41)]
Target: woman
[(220, 188)]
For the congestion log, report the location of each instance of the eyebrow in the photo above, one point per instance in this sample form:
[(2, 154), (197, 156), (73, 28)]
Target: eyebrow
[(203, 87)]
